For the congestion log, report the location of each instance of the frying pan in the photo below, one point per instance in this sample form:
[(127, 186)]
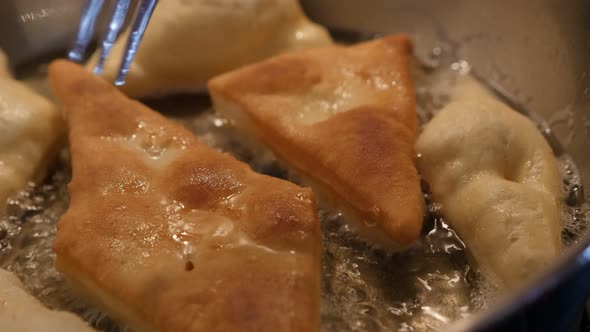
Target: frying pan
[(536, 52)]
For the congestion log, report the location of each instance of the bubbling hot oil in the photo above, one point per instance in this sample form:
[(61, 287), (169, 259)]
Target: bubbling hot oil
[(27, 232), (363, 289)]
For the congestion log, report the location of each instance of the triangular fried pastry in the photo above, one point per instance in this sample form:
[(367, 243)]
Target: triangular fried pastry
[(168, 234), (343, 118), (188, 42), (22, 312), (31, 129)]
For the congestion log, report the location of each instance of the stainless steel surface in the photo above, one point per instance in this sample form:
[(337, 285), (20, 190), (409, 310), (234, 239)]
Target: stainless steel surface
[(33, 28)]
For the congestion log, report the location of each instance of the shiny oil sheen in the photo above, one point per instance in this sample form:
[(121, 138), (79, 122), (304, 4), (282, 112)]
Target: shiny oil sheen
[(363, 289)]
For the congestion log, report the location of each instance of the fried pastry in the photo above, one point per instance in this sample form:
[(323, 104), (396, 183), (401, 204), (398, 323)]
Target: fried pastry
[(497, 181), (188, 42), (168, 234), (344, 119), (20, 311), (31, 129)]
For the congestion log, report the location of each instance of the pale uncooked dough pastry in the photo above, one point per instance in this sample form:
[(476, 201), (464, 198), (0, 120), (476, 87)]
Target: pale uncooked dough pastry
[(497, 181), (20, 311), (187, 42), (30, 132)]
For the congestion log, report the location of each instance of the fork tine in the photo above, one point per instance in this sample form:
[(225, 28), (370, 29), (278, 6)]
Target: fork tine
[(115, 25), (86, 29), (146, 8)]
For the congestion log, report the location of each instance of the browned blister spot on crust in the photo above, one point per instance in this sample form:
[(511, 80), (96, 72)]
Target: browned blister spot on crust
[(201, 183), (280, 219)]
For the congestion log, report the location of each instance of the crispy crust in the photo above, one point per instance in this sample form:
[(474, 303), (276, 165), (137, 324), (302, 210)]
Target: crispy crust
[(343, 117), (143, 186)]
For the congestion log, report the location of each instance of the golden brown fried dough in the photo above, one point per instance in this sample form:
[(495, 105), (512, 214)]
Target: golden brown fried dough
[(345, 119), (168, 234)]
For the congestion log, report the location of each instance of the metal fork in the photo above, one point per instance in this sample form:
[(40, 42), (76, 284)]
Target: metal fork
[(90, 13)]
